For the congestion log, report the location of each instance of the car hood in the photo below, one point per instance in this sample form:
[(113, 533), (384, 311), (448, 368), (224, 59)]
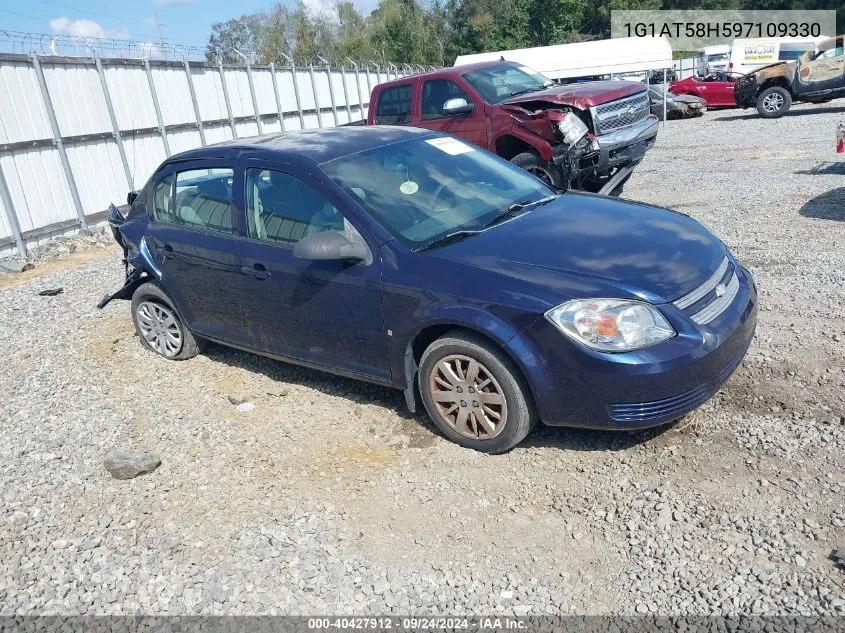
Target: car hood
[(583, 243), (581, 96), (757, 71)]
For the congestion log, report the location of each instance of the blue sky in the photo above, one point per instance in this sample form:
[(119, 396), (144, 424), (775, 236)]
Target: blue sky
[(184, 21)]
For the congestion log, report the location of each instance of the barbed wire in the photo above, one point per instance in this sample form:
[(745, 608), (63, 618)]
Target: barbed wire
[(27, 43)]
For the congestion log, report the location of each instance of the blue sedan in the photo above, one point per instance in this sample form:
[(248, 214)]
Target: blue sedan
[(411, 259)]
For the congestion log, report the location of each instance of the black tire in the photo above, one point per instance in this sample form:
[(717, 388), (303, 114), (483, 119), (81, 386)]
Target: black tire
[(519, 412), (145, 298), (773, 102), (544, 170)]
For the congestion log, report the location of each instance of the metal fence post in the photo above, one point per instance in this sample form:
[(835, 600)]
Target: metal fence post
[(276, 95), (11, 216), (161, 128), (194, 101), (254, 98), (57, 141), (331, 92), (296, 94), (226, 99), (345, 93), (114, 124), (358, 89), (314, 91)]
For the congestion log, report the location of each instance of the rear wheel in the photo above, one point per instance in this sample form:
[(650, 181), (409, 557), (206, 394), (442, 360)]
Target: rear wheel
[(774, 102), (544, 170), (474, 394), (160, 327)]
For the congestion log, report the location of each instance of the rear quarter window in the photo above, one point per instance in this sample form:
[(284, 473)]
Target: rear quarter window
[(394, 105)]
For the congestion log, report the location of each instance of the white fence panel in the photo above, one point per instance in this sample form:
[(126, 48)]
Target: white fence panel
[(209, 89), (144, 154), (77, 98), (262, 80), (171, 84), (39, 190), (23, 115), (160, 108), (130, 95)]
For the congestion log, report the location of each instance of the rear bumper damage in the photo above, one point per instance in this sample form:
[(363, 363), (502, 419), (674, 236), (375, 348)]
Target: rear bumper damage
[(138, 264)]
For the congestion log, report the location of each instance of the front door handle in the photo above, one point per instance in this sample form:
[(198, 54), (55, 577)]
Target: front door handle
[(258, 271), (166, 251)]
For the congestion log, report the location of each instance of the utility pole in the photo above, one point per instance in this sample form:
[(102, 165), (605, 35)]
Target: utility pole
[(160, 26)]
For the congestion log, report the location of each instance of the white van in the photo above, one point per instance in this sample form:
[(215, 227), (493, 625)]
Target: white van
[(711, 59), (748, 55)]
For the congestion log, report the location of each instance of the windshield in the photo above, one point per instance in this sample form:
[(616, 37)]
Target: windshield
[(500, 81), (718, 57), (422, 189)]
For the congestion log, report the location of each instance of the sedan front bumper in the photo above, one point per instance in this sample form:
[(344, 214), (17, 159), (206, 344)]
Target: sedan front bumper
[(584, 388)]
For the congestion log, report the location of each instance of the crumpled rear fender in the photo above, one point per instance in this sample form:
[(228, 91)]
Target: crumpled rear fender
[(138, 262)]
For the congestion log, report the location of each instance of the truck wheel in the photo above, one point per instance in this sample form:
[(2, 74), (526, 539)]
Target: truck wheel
[(533, 164), (774, 102)]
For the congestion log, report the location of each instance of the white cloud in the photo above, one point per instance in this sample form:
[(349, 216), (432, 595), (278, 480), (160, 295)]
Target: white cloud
[(317, 7), (86, 29)]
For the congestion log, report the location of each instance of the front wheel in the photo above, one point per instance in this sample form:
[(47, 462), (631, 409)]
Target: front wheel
[(533, 164), (774, 102), (474, 394)]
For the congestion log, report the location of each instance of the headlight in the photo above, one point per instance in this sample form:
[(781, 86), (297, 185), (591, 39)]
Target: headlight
[(572, 128), (611, 325)]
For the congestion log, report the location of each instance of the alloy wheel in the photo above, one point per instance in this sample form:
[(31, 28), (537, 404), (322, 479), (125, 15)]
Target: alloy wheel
[(773, 102), (160, 328), (468, 397)]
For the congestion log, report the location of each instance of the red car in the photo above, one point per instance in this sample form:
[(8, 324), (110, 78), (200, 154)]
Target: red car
[(717, 89)]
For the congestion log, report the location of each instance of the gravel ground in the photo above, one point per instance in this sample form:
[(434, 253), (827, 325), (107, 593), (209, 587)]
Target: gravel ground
[(329, 498)]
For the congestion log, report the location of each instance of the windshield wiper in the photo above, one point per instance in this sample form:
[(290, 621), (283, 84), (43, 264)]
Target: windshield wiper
[(454, 236), (513, 209)]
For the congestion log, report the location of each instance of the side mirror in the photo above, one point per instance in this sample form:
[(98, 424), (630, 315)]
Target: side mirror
[(130, 197), (458, 105), (328, 246)]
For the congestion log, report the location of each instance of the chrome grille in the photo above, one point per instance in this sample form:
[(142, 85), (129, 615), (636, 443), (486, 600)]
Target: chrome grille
[(622, 113), (714, 309), (709, 299)]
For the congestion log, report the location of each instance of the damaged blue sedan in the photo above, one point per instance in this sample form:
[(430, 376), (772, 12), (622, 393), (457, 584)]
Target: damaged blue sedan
[(410, 259)]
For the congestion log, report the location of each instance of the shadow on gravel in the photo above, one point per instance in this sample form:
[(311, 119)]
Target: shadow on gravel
[(588, 440), (418, 427), (825, 168), (828, 206), (752, 114)]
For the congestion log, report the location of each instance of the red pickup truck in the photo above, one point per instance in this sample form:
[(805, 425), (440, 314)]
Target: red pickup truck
[(580, 136)]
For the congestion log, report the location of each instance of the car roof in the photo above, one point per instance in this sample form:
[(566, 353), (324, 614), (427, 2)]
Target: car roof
[(318, 145)]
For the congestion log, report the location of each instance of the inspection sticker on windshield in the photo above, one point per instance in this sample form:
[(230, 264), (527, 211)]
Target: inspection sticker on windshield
[(450, 145), (409, 187)]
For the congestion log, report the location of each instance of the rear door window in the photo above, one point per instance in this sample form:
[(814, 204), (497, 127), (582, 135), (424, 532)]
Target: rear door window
[(197, 198), (394, 105)]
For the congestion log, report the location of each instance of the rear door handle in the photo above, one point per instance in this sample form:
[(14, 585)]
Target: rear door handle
[(258, 271), (166, 250)]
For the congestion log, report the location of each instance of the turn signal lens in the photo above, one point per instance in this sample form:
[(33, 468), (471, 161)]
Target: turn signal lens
[(611, 325)]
